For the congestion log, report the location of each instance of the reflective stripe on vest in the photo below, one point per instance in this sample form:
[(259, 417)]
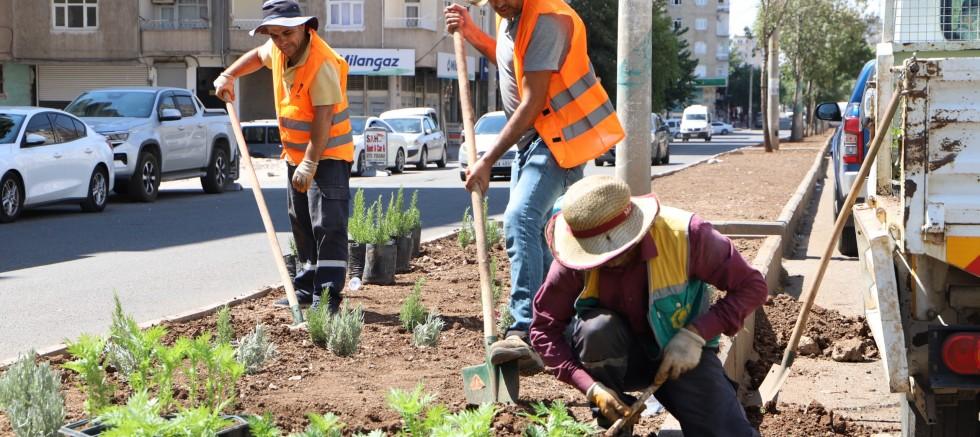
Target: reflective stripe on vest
[(288, 123), (579, 122)]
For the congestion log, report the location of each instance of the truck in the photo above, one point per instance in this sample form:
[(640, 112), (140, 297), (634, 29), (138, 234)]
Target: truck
[(161, 134), (918, 229)]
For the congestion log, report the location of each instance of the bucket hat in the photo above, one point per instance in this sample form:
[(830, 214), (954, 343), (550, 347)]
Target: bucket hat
[(599, 221), (283, 13)]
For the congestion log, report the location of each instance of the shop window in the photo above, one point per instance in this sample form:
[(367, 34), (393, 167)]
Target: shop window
[(377, 82), (75, 14), (182, 14), (345, 14)]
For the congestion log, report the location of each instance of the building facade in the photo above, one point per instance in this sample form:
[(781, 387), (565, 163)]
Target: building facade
[(707, 22), (399, 51), (747, 50)]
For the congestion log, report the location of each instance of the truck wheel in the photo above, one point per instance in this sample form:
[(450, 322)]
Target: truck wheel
[(955, 420), (144, 185), (214, 181), (98, 191), (847, 244)]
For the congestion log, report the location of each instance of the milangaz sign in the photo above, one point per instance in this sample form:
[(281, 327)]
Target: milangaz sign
[(380, 62)]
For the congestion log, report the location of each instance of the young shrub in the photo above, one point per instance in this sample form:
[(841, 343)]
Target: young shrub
[(412, 214), (226, 332), (427, 334), (199, 421), (493, 228), (169, 359), (373, 433), (465, 235), (345, 330), (130, 349), (215, 387), (358, 225), (554, 421), (316, 323), (413, 312), (327, 425), (263, 426), (396, 217), (30, 395), (87, 351), (254, 349), (139, 417), (506, 319), (380, 230), (411, 406), (468, 423), (497, 289)]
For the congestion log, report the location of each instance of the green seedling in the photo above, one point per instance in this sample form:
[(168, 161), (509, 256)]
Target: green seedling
[(358, 225), (427, 334), (226, 332), (169, 360), (414, 216), (381, 230), (465, 235), (255, 349), (263, 426), (373, 433), (216, 385), (411, 406), (316, 323), (130, 349), (87, 351), (555, 421), (412, 311), (194, 422), (30, 396), (506, 319), (493, 228), (139, 417), (468, 423), (345, 330), (327, 425), (497, 289)]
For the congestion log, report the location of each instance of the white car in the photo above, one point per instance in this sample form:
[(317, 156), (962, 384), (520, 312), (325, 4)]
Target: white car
[(696, 122), (396, 144), (487, 129), (425, 142), (721, 128), (49, 156)]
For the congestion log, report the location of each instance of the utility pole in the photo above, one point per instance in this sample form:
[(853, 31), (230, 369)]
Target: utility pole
[(751, 76), (635, 63), (774, 89)]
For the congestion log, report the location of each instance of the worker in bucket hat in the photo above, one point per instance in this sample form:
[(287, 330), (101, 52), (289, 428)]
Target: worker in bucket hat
[(630, 278)]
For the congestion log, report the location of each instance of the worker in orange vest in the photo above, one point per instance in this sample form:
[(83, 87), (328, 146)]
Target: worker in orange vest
[(558, 116), (309, 80)]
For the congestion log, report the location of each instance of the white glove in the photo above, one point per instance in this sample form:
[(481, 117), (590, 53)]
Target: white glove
[(303, 176), (224, 87), (683, 352)]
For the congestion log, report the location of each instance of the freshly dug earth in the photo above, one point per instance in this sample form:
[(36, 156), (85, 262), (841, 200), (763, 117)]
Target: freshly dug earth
[(745, 185), (354, 388), (798, 421)]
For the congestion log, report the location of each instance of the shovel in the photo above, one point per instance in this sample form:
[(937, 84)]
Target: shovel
[(485, 382), (270, 231), (778, 374)]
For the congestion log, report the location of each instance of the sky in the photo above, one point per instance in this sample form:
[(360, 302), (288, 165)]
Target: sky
[(743, 14)]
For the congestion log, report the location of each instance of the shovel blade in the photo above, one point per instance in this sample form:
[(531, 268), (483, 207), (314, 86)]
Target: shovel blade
[(769, 390), (486, 383)]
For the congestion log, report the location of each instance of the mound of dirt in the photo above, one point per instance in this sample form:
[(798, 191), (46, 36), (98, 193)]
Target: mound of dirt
[(811, 420)]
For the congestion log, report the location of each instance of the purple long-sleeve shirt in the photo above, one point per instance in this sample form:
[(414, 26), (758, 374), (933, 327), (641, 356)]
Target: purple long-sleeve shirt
[(713, 259)]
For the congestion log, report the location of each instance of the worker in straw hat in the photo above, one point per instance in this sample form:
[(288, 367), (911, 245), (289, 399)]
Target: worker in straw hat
[(309, 81), (630, 278)]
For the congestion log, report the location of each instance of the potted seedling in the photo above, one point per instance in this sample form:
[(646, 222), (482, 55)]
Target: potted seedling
[(359, 230), (414, 219), (379, 256), (401, 233)]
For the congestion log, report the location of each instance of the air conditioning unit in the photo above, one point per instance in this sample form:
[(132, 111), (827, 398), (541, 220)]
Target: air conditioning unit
[(163, 2)]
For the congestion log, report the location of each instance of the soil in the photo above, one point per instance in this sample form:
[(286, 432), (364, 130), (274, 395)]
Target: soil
[(729, 189), (800, 421)]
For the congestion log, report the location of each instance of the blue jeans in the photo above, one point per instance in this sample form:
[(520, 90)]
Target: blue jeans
[(536, 183)]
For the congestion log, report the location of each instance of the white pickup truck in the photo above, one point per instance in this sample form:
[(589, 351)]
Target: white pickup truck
[(160, 134)]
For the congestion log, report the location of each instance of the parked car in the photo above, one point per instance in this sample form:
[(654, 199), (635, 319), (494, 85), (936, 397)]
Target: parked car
[(721, 128), (487, 129), (160, 134), (262, 138), (659, 144), (425, 143), (696, 122), (674, 126), (48, 156), (396, 144), (428, 112), (848, 149)]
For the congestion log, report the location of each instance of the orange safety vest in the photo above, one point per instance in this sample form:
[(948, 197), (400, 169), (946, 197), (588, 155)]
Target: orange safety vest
[(295, 108), (579, 122)]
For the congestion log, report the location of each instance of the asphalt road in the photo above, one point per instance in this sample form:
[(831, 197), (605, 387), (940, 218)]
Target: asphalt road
[(59, 267)]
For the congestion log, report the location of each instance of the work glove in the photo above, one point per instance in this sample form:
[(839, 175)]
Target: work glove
[(682, 354), (607, 401), (303, 175), (224, 87)]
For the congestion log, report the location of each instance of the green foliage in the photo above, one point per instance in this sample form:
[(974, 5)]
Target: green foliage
[(194, 422), (226, 332), (506, 319), (555, 421), (255, 349), (374, 433), (498, 291), (169, 359), (427, 334), (139, 417), (327, 425), (87, 351), (380, 229), (413, 311), (413, 216), (263, 426), (130, 349), (465, 236), (212, 372), (396, 218), (411, 406), (30, 395), (358, 225), (340, 333), (468, 423), (316, 324), (292, 241)]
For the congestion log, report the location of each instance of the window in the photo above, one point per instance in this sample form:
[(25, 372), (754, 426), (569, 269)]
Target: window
[(699, 71), (700, 2), (700, 48), (254, 134), (64, 128), (183, 14), (79, 128), (377, 83), (10, 127), (722, 71), (960, 20), (678, 24), (345, 14), (412, 13), (185, 105), (274, 135), (41, 125), (166, 102), (75, 14), (675, 2), (701, 24)]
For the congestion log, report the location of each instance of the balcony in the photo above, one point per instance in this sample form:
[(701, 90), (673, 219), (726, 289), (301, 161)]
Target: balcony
[(174, 24), (724, 7), (170, 37), (427, 23)]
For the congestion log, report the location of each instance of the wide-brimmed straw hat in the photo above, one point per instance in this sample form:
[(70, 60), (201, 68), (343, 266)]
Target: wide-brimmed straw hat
[(283, 13), (599, 220)]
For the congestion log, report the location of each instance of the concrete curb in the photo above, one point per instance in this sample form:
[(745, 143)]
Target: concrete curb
[(702, 161), (749, 227), (792, 213)]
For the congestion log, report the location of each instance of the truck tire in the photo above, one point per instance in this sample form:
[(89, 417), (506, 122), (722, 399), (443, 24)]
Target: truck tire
[(956, 420), (144, 185), (847, 244), (216, 178), (98, 191)]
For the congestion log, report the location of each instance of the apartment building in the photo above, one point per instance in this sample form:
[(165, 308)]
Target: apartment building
[(707, 22), (400, 54), (748, 50)]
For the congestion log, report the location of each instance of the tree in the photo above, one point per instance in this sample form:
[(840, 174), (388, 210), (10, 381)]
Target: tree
[(672, 81), (768, 21), (740, 76)]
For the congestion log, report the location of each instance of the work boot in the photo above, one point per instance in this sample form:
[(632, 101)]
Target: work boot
[(304, 297), (333, 301), (513, 347)]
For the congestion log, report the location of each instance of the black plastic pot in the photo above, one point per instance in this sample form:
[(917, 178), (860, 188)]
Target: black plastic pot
[(84, 428), (379, 263), (355, 259), (290, 261), (403, 254), (417, 241)]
